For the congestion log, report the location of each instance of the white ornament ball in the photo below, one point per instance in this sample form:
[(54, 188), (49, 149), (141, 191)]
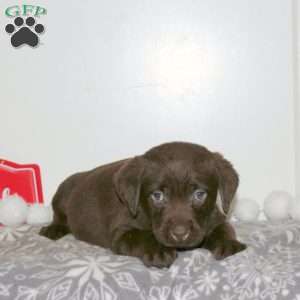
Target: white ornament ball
[(39, 214), (277, 205), (246, 210), (13, 210), (295, 209)]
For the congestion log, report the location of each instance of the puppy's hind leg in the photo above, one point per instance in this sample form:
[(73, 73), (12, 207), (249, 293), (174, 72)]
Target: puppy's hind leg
[(59, 227)]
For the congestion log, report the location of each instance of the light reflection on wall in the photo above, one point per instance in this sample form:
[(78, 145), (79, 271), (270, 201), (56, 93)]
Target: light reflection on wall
[(184, 66)]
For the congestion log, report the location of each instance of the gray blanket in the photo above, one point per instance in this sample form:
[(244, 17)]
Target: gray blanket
[(33, 267)]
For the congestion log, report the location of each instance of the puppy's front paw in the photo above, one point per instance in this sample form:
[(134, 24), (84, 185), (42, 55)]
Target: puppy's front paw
[(54, 231), (143, 244), (159, 257), (227, 248)]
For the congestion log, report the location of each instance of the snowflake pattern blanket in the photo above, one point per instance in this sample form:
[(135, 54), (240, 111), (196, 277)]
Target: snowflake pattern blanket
[(33, 267)]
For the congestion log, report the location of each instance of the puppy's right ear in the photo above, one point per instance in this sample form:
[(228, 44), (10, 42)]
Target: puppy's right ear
[(127, 182)]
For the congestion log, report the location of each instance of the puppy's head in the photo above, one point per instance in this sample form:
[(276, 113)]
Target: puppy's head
[(176, 185)]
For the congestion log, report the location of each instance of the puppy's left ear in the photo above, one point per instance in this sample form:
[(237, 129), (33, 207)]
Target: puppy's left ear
[(228, 181), (127, 182)]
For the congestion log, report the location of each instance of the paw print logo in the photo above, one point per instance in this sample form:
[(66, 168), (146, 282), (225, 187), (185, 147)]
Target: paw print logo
[(24, 33)]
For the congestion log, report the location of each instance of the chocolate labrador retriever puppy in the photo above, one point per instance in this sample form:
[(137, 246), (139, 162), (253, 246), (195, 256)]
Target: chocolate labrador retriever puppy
[(151, 206)]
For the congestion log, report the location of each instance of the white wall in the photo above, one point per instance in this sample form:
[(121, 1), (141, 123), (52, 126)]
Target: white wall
[(296, 39), (112, 79)]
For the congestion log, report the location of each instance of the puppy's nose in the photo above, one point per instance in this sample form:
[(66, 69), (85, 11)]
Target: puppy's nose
[(180, 233)]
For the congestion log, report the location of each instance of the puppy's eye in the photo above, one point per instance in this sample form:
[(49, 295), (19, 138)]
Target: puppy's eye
[(157, 197), (199, 196)]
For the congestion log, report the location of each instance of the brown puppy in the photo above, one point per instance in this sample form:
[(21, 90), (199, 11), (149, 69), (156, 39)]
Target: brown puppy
[(151, 205)]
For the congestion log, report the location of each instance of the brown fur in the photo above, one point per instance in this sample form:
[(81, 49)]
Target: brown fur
[(113, 205)]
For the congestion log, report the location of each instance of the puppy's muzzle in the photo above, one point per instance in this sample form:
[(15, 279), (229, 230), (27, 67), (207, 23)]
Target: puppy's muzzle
[(180, 233)]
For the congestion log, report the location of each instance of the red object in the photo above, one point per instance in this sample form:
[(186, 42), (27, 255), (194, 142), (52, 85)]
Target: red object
[(24, 180)]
